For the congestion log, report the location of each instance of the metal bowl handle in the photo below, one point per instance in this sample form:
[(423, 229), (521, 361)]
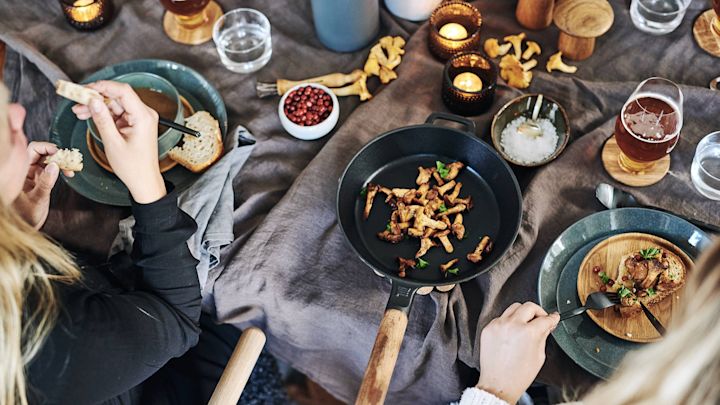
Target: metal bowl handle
[(469, 125)]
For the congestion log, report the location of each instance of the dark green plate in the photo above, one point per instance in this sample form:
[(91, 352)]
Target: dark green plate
[(96, 183), (557, 283)]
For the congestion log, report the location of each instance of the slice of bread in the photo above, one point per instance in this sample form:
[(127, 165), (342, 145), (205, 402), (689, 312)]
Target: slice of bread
[(667, 282), (67, 159), (197, 154)]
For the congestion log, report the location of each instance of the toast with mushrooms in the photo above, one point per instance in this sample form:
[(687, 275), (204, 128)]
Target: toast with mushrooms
[(649, 276)]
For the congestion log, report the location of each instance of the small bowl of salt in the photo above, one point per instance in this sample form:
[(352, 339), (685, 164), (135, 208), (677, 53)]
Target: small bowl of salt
[(526, 142)]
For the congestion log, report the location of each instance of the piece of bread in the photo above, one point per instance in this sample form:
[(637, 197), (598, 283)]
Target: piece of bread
[(67, 159), (664, 285), (197, 154), (76, 92)]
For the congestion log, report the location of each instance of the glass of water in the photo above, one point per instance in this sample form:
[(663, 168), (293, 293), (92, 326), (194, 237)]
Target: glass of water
[(243, 41), (705, 169), (658, 16)]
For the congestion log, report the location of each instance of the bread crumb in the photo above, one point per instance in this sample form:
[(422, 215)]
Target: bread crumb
[(597, 349), (628, 334)]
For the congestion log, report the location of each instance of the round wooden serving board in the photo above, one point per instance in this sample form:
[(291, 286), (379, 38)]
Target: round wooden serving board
[(611, 153), (607, 254)]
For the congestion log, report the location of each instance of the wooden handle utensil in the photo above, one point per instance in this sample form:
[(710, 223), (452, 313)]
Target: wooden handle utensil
[(383, 358), (241, 363)]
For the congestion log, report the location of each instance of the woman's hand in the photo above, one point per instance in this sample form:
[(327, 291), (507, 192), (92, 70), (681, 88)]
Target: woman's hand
[(129, 132), (33, 203), (512, 350)]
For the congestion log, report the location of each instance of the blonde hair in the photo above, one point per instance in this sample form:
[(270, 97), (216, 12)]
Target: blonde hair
[(684, 368), (30, 264)]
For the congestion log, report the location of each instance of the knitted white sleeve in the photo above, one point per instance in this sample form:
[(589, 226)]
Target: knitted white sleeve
[(475, 396)]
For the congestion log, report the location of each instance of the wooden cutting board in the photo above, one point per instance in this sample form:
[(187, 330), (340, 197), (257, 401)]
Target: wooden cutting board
[(607, 254)]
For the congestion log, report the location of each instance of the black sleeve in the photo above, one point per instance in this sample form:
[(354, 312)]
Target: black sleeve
[(109, 342)]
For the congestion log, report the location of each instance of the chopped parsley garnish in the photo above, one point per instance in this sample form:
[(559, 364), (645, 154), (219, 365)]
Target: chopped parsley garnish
[(388, 228), (454, 271), (651, 291), (363, 192), (421, 264), (604, 277), (650, 253), (624, 292), (442, 207), (442, 170)]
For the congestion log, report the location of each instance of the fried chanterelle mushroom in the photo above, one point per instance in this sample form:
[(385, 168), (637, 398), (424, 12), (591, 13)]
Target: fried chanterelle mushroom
[(431, 212), (484, 247)]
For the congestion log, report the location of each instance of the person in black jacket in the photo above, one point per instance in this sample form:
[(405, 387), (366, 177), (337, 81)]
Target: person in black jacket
[(72, 333)]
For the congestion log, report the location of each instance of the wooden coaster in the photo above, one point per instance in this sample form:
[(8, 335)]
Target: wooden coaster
[(608, 255), (705, 35), (196, 35), (610, 155)]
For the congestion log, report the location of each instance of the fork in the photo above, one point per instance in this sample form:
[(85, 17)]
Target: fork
[(596, 300)]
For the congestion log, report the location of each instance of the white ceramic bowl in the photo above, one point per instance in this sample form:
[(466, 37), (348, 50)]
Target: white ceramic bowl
[(315, 131)]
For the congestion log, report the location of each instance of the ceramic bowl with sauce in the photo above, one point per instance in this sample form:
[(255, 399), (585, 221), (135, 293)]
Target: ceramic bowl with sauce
[(160, 95)]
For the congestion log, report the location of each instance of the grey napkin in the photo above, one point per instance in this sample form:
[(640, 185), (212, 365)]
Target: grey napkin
[(210, 202)]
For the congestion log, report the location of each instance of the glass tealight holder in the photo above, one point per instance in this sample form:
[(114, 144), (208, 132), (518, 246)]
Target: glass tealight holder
[(454, 28), (87, 15), (469, 82)]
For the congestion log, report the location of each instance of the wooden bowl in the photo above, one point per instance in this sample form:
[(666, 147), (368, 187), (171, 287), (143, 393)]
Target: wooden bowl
[(523, 106)]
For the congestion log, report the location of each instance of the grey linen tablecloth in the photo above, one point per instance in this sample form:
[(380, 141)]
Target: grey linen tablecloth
[(290, 270)]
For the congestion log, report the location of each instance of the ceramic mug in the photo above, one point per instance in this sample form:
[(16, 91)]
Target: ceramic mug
[(140, 80), (346, 25)]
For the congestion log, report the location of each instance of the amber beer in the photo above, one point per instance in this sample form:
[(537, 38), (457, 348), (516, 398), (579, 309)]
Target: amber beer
[(185, 7), (648, 127)]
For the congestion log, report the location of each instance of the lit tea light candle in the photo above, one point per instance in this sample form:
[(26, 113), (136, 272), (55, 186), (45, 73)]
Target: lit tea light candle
[(87, 14), (453, 31), (85, 10), (468, 81)]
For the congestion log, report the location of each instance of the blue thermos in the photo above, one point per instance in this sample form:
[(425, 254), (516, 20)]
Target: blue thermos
[(346, 25)]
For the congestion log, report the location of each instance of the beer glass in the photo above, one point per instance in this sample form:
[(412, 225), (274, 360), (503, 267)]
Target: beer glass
[(649, 124), (190, 21)]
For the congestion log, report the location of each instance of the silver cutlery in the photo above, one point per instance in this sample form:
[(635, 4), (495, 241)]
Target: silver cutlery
[(596, 300), (613, 197)]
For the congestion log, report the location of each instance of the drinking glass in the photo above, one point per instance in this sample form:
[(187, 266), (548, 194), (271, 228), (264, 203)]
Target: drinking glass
[(705, 169), (649, 124), (243, 41), (658, 16)]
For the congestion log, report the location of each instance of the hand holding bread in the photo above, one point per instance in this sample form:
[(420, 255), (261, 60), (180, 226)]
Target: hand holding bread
[(129, 131)]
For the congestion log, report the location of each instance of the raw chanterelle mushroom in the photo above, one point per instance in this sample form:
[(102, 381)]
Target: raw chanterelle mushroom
[(533, 48), (516, 41), (493, 49), (513, 72), (556, 63), (359, 88)]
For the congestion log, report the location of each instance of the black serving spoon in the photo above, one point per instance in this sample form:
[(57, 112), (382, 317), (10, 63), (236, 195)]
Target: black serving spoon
[(613, 197)]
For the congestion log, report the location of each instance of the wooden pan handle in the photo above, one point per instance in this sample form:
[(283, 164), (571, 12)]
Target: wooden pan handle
[(241, 363), (382, 359), (330, 80)]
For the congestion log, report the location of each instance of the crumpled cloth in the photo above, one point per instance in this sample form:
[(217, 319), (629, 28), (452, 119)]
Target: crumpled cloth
[(210, 202)]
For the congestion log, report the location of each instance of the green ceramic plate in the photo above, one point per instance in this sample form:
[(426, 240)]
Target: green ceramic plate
[(557, 283), (96, 183)]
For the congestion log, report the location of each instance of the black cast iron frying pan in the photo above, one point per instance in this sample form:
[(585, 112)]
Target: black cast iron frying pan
[(392, 160)]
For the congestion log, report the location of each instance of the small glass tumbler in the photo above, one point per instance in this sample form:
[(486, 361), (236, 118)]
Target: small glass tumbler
[(459, 96), (658, 17), (454, 14), (705, 169), (87, 15), (243, 40)]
